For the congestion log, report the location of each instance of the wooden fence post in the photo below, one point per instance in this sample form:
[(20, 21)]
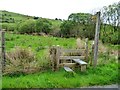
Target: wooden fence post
[(53, 57), (3, 49), (86, 49), (57, 56), (92, 53), (96, 39)]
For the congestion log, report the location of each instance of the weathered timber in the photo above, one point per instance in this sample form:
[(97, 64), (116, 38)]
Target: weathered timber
[(72, 57), (83, 68), (57, 56), (86, 49), (68, 69), (80, 61), (96, 39), (67, 64), (82, 64), (73, 50), (2, 33)]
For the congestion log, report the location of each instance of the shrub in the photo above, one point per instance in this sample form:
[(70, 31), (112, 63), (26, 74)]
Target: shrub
[(27, 26), (8, 27)]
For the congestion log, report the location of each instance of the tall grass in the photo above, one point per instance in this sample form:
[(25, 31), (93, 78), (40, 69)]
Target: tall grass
[(48, 79)]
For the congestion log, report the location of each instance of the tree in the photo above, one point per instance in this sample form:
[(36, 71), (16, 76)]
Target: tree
[(67, 28), (84, 24), (43, 25)]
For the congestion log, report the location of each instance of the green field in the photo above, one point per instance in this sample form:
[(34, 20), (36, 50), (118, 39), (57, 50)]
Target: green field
[(60, 79), (37, 43)]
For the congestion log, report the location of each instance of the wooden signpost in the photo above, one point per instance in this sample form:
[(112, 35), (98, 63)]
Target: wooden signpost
[(96, 39)]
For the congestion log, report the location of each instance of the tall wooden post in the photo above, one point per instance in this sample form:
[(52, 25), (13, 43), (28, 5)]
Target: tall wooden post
[(57, 56), (96, 39), (2, 39), (53, 57), (86, 49)]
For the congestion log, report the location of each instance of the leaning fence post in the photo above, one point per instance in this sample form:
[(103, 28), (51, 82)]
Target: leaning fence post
[(96, 39)]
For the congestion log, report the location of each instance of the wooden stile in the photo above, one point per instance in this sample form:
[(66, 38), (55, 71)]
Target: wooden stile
[(65, 57)]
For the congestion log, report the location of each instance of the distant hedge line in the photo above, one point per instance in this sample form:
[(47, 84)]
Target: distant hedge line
[(108, 34)]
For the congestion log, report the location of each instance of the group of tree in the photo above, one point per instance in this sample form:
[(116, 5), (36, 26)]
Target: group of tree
[(110, 17), (83, 25), (78, 25)]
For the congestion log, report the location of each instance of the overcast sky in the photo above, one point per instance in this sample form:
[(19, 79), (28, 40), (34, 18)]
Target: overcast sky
[(53, 8)]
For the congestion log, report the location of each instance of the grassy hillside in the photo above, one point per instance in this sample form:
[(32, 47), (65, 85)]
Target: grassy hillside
[(11, 17), (10, 20)]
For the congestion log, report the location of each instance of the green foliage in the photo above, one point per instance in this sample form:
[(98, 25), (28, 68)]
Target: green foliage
[(43, 25), (109, 35), (110, 14), (74, 29), (27, 26), (110, 19), (10, 17), (67, 28), (78, 24), (80, 17), (8, 27)]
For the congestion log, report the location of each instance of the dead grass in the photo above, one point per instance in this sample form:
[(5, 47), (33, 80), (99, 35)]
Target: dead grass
[(80, 44), (21, 60), (102, 48)]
